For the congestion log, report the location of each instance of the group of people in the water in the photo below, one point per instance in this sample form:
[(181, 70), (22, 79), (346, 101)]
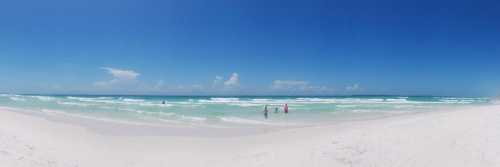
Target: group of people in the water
[(266, 111), (276, 110)]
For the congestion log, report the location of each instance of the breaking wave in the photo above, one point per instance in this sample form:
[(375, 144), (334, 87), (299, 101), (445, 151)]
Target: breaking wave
[(234, 110)]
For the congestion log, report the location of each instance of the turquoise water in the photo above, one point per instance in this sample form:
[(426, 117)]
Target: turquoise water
[(244, 110)]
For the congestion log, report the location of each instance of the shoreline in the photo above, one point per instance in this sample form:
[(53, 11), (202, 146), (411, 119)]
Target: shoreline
[(458, 137), (115, 127)]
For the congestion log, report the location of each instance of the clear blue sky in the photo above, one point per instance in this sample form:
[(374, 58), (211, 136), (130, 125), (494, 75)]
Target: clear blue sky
[(447, 47)]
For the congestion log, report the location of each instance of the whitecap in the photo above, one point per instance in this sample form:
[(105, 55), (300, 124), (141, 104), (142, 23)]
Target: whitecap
[(86, 99), (262, 100), (121, 101), (463, 100), (73, 103), (133, 100), (152, 104), (43, 98), (245, 104), (396, 100), (17, 99), (104, 98), (219, 100)]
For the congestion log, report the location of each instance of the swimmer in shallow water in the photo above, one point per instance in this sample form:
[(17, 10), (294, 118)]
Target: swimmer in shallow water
[(266, 112), (286, 108)]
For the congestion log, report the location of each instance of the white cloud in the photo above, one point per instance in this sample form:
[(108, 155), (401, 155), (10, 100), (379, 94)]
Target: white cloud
[(233, 81), (354, 87), (299, 86), (120, 76), (290, 84), (217, 81)]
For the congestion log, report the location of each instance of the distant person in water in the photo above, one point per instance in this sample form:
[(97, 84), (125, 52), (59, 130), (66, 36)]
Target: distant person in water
[(163, 102), (265, 112), (276, 110), (286, 108)]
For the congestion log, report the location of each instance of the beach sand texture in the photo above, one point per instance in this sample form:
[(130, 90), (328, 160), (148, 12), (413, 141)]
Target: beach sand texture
[(467, 136)]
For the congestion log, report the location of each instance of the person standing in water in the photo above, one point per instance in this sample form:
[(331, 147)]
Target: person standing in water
[(286, 108), (265, 112)]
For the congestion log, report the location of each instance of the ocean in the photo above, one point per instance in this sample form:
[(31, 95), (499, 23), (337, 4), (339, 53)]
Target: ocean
[(235, 110)]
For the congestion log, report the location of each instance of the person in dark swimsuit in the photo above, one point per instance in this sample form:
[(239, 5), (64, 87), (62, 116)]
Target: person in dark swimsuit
[(266, 112), (286, 108)]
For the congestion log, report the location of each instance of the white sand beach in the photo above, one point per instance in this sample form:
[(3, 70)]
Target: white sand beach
[(460, 137)]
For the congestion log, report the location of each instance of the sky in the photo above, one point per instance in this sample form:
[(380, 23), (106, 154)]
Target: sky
[(250, 47)]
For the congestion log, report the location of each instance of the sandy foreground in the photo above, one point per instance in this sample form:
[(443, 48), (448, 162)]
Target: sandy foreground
[(461, 137)]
